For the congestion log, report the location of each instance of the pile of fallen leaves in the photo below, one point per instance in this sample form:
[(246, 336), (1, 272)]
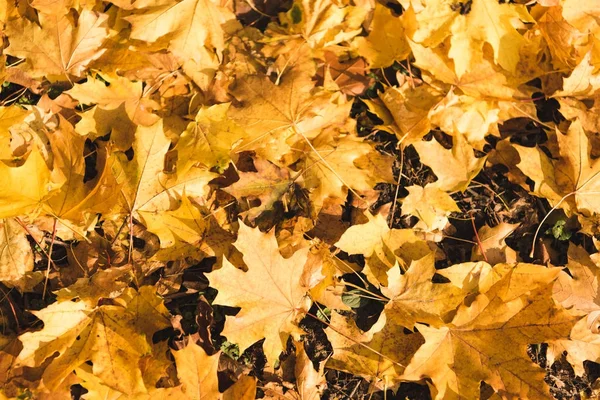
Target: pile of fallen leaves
[(239, 199)]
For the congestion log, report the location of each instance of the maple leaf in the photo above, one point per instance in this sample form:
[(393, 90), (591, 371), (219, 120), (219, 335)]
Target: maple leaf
[(30, 184), (583, 80), (310, 382), (492, 333), (379, 355), (492, 247), (320, 23), (415, 298), (113, 337), (454, 168), (386, 42), (581, 18), (347, 76), (578, 288), (270, 295), (484, 82), (564, 40), (409, 110), (197, 371), (382, 246), (9, 116), (269, 184), (243, 389), (575, 171), (97, 390), (271, 114), (16, 257), (194, 27), (570, 182), (76, 198), (430, 204), (209, 140), (143, 184), (185, 224), (61, 46), (334, 167), (469, 25), (120, 107)]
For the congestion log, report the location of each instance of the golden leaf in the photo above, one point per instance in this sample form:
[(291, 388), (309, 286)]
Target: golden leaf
[(270, 295)]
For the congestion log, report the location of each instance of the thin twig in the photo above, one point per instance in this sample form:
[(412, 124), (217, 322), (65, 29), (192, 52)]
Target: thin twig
[(49, 258)]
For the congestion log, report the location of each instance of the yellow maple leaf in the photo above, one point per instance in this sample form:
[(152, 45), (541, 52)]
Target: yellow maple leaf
[(409, 108), (209, 140), (270, 293), (142, 182), (430, 204), (571, 182), (379, 355), (320, 23), (120, 107), (272, 114), (197, 371), (16, 257), (487, 341), (334, 167), (578, 288), (60, 47), (492, 246), (113, 337), (269, 184), (386, 42), (382, 246), (415, 298), (469, 25), (9, 116), (191, 26), (30, 184), (454, 168), (243, 389), (185, 224)]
